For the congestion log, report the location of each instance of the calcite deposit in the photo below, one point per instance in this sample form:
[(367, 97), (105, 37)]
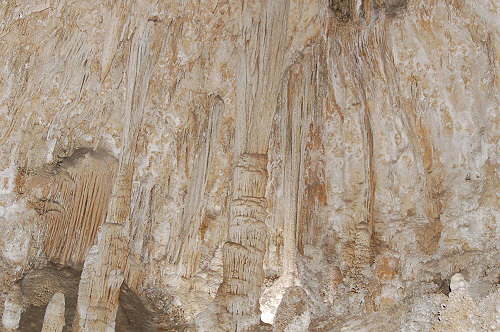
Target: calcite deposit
[(249, 165)]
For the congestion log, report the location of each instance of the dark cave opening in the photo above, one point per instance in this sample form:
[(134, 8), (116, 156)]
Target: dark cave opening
[(38, 287)]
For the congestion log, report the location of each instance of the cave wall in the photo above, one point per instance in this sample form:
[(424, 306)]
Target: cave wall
[(217, 156)]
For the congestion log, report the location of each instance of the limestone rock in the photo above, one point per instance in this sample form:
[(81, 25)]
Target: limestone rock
[(12, 310), (54, 314), (294, 312), (458, 283), (100, 282), (214, 165), (460, 312)]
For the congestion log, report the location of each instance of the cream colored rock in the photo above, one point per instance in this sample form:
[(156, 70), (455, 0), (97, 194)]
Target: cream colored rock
[(100, 283), (12, 310), (294, 312), (54, 314), (460, 313), (188, 162), (458, 283)]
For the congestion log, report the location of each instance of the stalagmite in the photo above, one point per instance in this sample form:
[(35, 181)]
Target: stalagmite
[(54, 314), (12, 310), (101, 279), (247, 234), (104, 268)]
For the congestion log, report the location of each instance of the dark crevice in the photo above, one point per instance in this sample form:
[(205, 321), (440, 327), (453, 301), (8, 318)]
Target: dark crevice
[(133, 314)]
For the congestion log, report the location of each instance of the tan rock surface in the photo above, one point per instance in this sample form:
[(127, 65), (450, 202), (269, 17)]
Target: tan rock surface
[(54, 314), (214, 165)]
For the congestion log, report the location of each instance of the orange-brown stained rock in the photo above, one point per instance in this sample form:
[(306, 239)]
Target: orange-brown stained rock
[(337, 277), (72, 200), (386, 268), (428, 237)]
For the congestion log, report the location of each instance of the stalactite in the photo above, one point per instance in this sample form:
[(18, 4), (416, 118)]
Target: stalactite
[(266, 33), (322, 165), (183, 245), (104, 267), (73, 202), (244, 252), (72, 229), (140, 65), (363, 68)]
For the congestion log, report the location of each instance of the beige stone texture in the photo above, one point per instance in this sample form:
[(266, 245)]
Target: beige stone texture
[(249, 165)]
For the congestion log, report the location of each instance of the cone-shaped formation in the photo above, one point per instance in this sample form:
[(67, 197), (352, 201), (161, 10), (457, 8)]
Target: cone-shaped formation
[(54, 314), (243, 254), (12, 310), (101, 279)]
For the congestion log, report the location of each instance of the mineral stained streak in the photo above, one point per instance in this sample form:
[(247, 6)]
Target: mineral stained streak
[(249, 165)]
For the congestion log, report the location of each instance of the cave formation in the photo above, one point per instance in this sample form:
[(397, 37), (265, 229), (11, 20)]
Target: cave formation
[(249, 165)]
